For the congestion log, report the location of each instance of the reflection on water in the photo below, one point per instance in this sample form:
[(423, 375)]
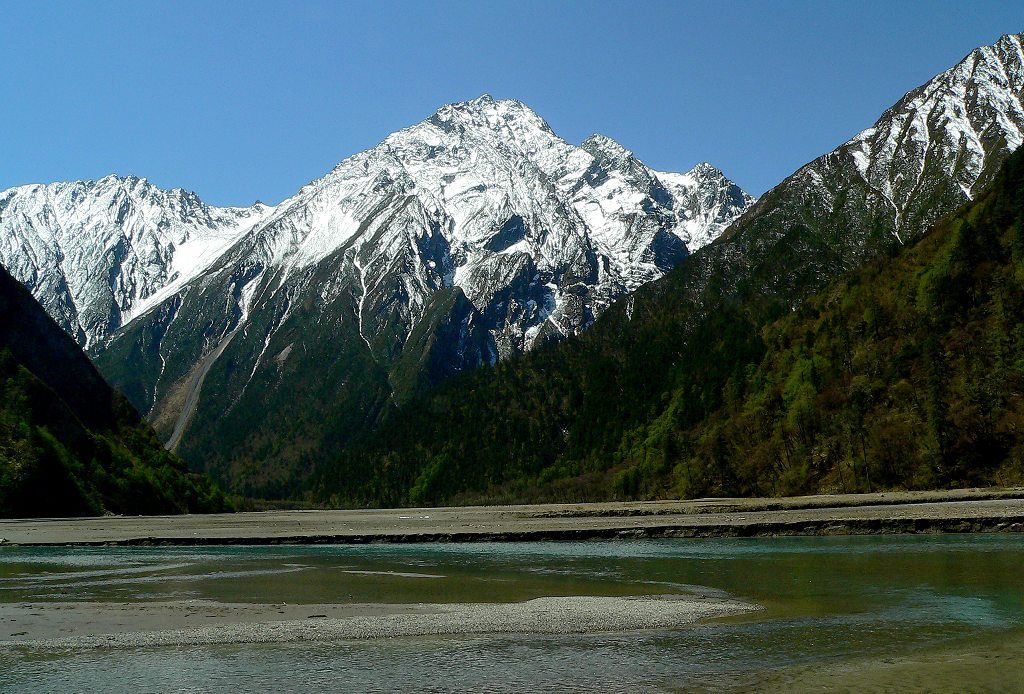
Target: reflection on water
[(826, 600)]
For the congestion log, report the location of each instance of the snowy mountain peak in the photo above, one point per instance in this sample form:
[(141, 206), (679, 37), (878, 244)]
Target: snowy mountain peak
[(704, 169), (93, 251), (930, 151), (470, 236), (602, 147), (474, 165), (507, 115)]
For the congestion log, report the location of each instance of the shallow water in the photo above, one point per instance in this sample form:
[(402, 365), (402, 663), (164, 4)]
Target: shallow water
[(826, 601)]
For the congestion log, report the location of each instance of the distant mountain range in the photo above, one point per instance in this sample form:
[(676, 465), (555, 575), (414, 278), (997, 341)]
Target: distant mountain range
[(471, 198), (271, 344)]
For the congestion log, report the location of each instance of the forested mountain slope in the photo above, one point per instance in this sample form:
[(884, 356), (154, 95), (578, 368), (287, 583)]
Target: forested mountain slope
[(69, 444), (907, 373)]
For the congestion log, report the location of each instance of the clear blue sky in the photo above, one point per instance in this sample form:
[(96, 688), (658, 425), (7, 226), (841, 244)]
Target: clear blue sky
[(246, 100)]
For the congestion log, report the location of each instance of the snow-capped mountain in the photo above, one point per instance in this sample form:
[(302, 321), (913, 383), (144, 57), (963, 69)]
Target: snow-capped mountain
[(923, 158), (616, 409), (473, 235), (489, 175), (539, 235), (94, 252), (949, 136)]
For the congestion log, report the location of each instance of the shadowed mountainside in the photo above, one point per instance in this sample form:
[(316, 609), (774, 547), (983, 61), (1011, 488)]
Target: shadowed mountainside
[(69, 444)]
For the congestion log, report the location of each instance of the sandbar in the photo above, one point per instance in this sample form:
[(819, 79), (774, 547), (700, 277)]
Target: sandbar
[(966, 510)]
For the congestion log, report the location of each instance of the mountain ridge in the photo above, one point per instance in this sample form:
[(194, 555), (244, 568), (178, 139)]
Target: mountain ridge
[(662, 359), (464, 239), (38, 260), (94, 251)]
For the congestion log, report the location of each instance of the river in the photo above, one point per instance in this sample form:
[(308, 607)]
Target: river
[(925, 612)]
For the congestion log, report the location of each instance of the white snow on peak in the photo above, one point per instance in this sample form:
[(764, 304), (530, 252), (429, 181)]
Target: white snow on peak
[(953, 124), (473, 196), (93, 252), (473, 165), (708, 203), (603, 147)]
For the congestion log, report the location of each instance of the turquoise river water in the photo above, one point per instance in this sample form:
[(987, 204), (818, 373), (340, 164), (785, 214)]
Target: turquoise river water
[(888, 613)]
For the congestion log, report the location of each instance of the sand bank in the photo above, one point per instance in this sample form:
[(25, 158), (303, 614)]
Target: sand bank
[(973, 510), (132, 625)]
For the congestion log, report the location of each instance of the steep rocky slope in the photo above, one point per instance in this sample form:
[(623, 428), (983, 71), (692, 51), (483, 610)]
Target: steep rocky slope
[(93, 253)]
